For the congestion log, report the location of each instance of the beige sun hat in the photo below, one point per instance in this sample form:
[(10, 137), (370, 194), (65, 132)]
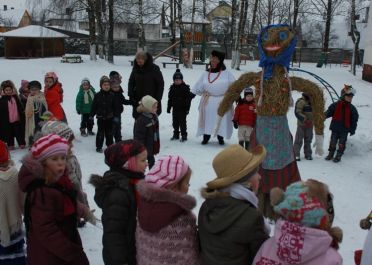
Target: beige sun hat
[(233, 163)]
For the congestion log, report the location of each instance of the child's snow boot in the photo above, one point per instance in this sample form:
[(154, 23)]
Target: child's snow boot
[(90, 132), (206, 138), (83, 132), (220, 140), (330, 155), (337, 158), (183, 138)]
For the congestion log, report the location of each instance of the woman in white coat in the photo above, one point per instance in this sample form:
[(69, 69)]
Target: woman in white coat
[(212, 86)]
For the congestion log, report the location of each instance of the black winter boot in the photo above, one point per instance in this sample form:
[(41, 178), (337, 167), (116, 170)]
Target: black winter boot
[(246, 143), (175, 137), (220, 140), (337, 158), (83, 132), (90, 132), (330, 155), (241, 143), (206, 138), (183, 138)]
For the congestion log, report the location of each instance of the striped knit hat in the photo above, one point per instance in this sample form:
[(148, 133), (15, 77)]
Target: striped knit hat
[(58, 127), (167, 171), (49, 145), (4, 153)]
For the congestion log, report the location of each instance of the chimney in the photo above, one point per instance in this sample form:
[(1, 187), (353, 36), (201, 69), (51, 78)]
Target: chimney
[(5, 7)]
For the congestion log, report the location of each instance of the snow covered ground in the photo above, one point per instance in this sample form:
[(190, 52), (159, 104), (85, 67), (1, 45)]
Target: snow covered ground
[(350, 180)]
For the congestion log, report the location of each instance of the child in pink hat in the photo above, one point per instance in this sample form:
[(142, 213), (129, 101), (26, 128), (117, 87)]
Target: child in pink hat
[(51, 208), (166, 227)]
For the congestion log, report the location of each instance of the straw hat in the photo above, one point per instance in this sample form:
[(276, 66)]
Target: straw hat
[(233, 163)]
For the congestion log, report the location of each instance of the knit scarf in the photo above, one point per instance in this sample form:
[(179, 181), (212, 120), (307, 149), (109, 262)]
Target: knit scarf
[(342, 109), (13, 110), (238, 191), (268, 62), (88, 94), (68, 204)]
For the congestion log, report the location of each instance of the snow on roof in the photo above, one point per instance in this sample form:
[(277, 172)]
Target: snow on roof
[(11, 17), (33, 31)]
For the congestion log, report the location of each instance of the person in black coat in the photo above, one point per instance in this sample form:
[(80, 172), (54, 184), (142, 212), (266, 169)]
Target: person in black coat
[(179, 98), (145, 79), (12, 116), (115, 195), (344, 121), (105, 107)]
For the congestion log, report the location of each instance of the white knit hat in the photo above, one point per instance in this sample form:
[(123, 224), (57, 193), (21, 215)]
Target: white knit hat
[(148, 102)]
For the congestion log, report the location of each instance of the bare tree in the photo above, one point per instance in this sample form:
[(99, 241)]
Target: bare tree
[(326, 9), (110, 37), (355, 36), (235, 62)]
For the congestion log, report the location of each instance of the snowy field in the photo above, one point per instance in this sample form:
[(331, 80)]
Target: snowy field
[(350, 180)]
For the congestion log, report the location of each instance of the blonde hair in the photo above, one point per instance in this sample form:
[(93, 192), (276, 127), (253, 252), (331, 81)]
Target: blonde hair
[(141, 54)]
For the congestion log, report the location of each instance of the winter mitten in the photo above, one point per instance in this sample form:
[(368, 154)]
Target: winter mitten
[(352, 133), (319, 139), (235, 124)]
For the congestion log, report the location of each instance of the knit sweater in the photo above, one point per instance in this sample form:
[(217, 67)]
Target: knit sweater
[(166, 228), (11, 204)]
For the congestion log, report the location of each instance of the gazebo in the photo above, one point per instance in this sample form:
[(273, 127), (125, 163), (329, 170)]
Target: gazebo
[(33, 42)]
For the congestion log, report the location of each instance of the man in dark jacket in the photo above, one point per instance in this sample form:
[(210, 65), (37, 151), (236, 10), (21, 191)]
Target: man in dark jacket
[(145, 79), (344, 120)]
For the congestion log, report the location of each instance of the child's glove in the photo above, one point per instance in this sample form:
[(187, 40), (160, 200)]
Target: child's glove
[(235, 124), (318, 144), (168, 110), (78, 112), (352, 133)]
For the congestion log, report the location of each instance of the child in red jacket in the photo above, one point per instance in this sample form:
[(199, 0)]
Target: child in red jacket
[(54, 96), (245, 117)]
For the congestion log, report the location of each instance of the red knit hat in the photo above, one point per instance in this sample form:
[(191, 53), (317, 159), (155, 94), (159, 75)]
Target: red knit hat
[(167, 171), (118, 154), (4, 153), (48, 146)]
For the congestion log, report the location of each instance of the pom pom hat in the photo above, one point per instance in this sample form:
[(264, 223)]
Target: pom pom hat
[(297, 205), (178, 75), (167, 171), (48, 146), (4, 153)]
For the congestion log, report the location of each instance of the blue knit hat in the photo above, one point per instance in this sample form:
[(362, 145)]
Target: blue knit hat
[(298, 206)]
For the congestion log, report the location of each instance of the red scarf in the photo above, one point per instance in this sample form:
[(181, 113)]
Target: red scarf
[(342, 109), (68, 204), (134, 183)]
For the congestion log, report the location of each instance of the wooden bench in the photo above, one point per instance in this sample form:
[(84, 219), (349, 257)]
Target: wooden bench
[(165, 64), (71, 59)]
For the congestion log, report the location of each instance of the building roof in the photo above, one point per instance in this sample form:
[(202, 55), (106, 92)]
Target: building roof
[(33, 31), (11, 17)]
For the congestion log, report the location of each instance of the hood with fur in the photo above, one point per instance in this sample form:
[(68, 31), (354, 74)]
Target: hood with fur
[(159, 206), (30, 170)]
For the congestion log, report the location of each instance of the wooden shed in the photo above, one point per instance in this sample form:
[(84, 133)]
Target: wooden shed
[(33, 42)]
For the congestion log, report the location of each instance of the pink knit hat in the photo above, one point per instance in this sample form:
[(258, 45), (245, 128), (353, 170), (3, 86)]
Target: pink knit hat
[(52, 75), (48, 146), (167, 171)]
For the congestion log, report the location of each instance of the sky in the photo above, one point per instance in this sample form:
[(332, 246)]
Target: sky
[(350, 180)]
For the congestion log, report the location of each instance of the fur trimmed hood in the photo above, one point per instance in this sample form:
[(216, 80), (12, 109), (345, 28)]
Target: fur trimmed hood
[(159, 206), (30, 170)]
